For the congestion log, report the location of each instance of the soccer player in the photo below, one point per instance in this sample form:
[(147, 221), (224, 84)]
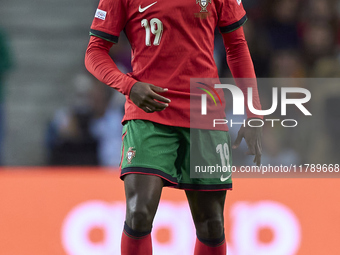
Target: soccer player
[(171, 41)]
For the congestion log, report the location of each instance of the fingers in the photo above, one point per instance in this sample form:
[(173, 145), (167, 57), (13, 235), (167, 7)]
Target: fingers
[(254, 148), (251, 142), (258, 153), (257, 159), (150, 105), (147, 109), (145, 96), (250, 152), (238, 140), (158, 89), (159, 97), (153, 107)]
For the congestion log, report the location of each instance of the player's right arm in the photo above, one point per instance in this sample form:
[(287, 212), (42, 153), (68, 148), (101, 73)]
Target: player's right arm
[(99, 63), (109, 21)]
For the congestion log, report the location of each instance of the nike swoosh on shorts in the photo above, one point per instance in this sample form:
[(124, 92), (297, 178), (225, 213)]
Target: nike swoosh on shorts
[(224, 179)]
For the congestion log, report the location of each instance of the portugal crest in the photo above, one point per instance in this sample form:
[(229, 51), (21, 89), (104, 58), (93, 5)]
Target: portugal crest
[(130, 154), (203, 4)]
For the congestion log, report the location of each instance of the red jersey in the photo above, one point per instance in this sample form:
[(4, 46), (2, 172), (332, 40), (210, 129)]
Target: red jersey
[(172, 41)]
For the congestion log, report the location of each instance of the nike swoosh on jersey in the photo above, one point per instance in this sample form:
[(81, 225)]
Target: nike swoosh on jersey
[(224, 179), (143, 9)]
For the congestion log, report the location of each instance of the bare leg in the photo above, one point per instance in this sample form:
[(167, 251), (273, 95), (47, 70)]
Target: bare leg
[(142, 193), (207, 212)]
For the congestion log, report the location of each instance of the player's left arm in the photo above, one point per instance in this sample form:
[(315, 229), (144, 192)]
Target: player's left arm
[(241, 66)]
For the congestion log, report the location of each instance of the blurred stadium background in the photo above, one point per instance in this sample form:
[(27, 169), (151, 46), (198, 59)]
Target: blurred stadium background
[(53, 113)]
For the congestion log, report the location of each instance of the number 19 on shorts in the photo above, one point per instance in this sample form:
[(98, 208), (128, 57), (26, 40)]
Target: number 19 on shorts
[(223, 150)]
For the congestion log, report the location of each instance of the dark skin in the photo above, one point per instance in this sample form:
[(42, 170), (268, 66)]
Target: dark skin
[(146, 97), (253, 138), (143, 192)]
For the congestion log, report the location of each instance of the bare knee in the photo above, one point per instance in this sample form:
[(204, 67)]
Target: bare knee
[(142, 197), (211, 228), (139, 219)]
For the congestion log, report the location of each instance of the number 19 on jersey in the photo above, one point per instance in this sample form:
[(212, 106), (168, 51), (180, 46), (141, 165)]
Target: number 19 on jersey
[(155, 27)]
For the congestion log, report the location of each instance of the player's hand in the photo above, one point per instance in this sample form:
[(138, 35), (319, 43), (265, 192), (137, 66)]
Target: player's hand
[(253, 138), (146, 97)]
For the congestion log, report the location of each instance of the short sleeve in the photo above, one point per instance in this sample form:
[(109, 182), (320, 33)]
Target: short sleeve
[(109, 20), (231, 15)]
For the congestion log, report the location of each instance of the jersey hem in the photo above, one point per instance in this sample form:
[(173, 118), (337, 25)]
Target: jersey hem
[(234, 26), (177, 124)]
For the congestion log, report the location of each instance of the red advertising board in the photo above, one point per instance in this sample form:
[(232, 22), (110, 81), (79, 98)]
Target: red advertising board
[(49, 211)]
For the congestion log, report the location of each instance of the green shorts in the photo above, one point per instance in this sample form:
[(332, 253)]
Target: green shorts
[(166, 151)]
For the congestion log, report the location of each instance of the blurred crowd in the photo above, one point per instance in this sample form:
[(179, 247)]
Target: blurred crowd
[(88, 131), (293, 38), (296, 39), (6, 63)]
